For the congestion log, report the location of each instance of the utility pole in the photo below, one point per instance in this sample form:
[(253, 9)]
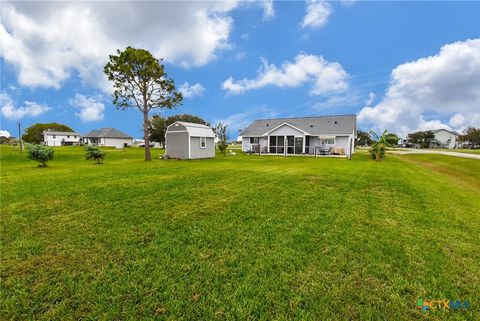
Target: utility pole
[(20, 138)]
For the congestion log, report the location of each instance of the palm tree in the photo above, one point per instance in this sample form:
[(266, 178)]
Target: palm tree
[(379, 146)]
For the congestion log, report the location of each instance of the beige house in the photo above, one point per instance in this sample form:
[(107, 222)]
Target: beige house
[(108, 137), (321, 135)]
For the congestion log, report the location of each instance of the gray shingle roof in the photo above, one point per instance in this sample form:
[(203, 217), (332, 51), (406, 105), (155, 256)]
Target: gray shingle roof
[(107, 133), (319, 125), (51, 132), (450, 131)]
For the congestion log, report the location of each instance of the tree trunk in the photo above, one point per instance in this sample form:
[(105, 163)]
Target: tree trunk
[(148, 157)]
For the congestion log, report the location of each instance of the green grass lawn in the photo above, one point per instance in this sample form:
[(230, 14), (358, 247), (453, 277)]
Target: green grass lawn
[(238, 237), (459, 150)]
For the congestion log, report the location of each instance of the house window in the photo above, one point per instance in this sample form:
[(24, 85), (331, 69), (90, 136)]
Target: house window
[(54, 136), (329, 141), (277, 144), (68, 136), (254, 140), (203, 142)]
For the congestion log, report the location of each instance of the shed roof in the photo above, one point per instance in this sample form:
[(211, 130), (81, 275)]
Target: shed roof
[(107, 133), (193, 129), (319, 125)]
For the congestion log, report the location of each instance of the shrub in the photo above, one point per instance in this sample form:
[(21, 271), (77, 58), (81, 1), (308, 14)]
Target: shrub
[(93, 152), (40, 153), (379, 146)]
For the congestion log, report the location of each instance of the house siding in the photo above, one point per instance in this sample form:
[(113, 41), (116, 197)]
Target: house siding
[(443, 137), (246, 146), (286, 130), (116, 142), (197, 152), (177, 144), (343, 142), (57, 141)]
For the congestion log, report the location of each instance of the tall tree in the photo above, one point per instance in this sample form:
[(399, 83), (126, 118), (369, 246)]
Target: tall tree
[(392, 139), (34, 133), (421, 138), (363, 138), (159, 124), (472, 136), (140, 81)]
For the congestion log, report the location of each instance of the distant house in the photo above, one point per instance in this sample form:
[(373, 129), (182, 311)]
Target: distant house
[(189, 141), (301, 135), (53, 138), (109, 137), (444, 138)]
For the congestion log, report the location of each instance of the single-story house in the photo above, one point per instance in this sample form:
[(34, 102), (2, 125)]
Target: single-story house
[(444, 138), (189, 141), (302, 135), (108, 137), (54, 138)]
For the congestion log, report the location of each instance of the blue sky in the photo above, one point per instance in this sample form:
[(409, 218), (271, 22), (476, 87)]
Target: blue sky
[(400, 66)]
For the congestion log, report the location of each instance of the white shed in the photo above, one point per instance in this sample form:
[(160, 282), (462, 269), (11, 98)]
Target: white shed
[(189, 141)]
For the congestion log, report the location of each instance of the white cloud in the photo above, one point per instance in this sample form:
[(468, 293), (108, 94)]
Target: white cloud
[(337, 102), (424, 92), (347, 3), (327, 77), (191, 91), (317, 14), (30, 108), (245, 36), (91, 108), (4, 133), (457, 120), (268, 11), (239, 121), (240, 55), (371, 99), (47, 42)]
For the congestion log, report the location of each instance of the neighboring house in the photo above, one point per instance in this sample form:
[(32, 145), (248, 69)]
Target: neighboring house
[(141, 143), (444, 138), (189, 141), (53, 138), (302, 135), (109, 137)]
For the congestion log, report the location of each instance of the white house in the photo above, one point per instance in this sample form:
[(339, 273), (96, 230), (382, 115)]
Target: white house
[(189, 141), (108, 137), (322, 135), (445, 138), (54, 138)]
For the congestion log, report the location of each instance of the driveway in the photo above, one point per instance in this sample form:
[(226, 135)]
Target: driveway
[(422, 151)]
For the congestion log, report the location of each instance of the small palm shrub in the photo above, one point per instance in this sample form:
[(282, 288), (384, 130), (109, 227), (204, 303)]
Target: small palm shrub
[(93, 152), (40, 153), (379, 146)]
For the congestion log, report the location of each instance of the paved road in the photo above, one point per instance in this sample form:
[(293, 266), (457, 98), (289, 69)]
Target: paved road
[(422, 151)]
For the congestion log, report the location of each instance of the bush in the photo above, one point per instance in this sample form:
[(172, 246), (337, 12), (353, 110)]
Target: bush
[(379, 146), (93, 152), (40, 153)]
